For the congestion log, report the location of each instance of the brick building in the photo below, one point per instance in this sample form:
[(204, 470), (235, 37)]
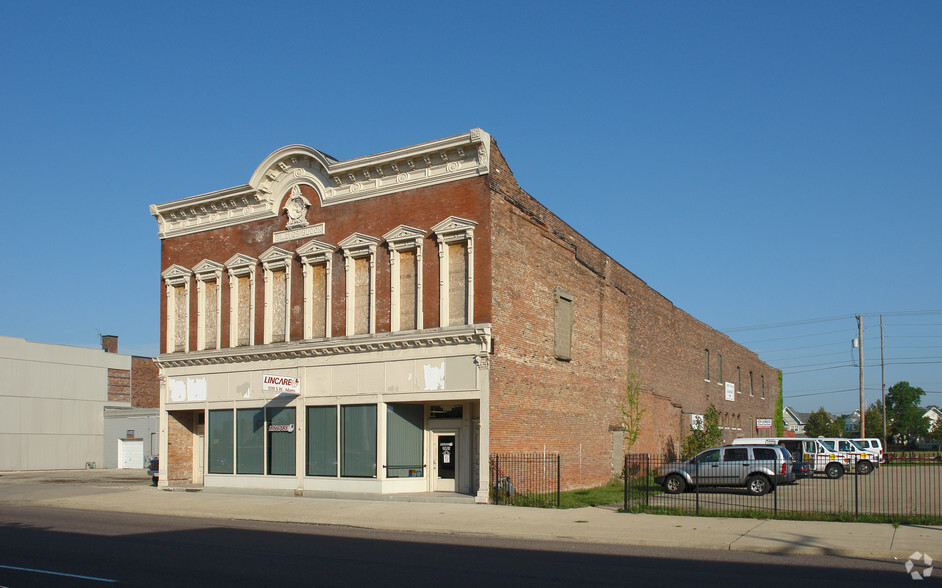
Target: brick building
[(386, 323)]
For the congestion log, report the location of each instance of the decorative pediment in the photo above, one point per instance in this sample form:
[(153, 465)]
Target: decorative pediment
[(208, 270), (435, 162), (404, 237), (358, 244), (454, 228), (275, 258), (315, 251), (176, 275), (241, 264)]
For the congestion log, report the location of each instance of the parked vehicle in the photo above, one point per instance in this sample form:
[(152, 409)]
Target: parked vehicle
[(872, 445), (152, 469), (864, 461), (823, 460), (802, 469), (757, 468)]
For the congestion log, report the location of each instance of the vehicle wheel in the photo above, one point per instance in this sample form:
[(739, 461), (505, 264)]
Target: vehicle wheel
[(834, 471), (674, 484), (864, 467), (758, 485)]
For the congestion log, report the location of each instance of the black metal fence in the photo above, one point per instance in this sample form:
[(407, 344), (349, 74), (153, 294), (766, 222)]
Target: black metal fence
[(524, 479), (898, 488)]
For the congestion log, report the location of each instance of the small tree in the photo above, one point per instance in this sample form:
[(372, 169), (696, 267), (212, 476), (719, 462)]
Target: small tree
[(631, 410), (821, 424), (700, 439), (874, 420)]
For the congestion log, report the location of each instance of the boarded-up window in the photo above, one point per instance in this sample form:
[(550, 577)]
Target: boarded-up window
[(407, 290), (278, 306), (319, 301), (245, 310), (180, 317), (563, 324), (361, 289), (210, 315), (457, 284)]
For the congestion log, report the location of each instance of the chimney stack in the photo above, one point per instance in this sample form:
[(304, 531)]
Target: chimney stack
[(109, 343)]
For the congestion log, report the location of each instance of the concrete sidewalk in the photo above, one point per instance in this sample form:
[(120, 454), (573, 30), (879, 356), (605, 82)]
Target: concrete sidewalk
[(590, 525)]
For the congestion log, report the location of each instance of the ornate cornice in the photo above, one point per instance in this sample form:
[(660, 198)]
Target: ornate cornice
[(443, 160), (478, 335)]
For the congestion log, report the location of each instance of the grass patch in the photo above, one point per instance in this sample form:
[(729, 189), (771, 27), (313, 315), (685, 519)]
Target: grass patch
[(611, 493)]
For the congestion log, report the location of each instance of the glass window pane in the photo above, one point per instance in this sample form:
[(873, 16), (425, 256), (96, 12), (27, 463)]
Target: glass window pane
[(358, 441), (322, 441), (281, 441), (220, 442), (404, 429), (250, 441)]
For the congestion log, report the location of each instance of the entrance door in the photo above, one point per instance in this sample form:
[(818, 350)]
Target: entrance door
[(445, 461)]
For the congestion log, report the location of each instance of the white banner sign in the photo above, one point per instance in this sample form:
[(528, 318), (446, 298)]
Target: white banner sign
[(281, 385), (730, 391), (763, 423)]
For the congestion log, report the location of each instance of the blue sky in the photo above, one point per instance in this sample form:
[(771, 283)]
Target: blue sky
[(759, 164)]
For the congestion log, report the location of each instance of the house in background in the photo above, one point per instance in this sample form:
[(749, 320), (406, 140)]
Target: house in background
[(794, 420), (58, 404), (388, 323)]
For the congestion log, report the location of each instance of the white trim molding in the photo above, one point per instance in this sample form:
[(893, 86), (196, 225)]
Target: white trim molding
[(276, 259), (241, 266), (316, 253), (443, 160), (208, 272), (404, 238), (357, 246), (454, 230), (177, 276)]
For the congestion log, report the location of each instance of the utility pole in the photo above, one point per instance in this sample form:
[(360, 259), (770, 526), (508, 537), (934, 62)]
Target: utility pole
[(863, 430), (882, 382)]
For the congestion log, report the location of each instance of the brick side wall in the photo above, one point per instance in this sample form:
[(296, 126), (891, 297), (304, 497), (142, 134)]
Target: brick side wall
[(181, 426), (119, 385), (420, 208), (540, 403), (145, 388)]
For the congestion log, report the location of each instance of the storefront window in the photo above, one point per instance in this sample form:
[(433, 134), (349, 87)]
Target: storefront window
[(322, 441), (358, 441), (250, 430), (404, 429), (220, 442), (281, 445)]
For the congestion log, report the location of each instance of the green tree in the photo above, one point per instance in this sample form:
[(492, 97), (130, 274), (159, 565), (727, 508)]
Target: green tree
[(631, 410), (821, 424), (874, 420), (903, 415), (700, 439)]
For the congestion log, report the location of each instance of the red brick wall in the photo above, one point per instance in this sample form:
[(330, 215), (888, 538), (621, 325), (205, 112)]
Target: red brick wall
[(119, 385), (145, 388), (540, 403), (181, 426), (420, 208)]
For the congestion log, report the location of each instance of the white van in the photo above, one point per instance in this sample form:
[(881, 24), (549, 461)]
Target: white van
[(823, 459), (866, 461), (873, 445)]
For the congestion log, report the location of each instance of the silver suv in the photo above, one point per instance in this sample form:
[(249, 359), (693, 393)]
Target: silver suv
[(757, 468)]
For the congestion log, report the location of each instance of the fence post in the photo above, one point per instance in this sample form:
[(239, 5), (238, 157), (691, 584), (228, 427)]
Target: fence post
[(647, 476), (697, 489), (496, 479), (557, 480), (856, 492), (625, 474)]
